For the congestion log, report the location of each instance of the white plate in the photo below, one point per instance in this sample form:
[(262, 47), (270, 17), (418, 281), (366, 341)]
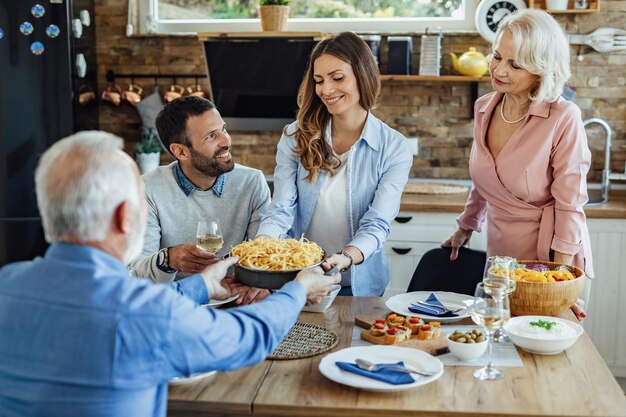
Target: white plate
[(380, 354), (179, 380), (213, 303), (400, 304)]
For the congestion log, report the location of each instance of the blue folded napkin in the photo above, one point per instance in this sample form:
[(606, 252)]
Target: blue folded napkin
[(435, 309), (385, 375)]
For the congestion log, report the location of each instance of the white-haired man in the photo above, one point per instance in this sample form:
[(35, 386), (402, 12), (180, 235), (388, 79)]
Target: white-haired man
[(79, 337)]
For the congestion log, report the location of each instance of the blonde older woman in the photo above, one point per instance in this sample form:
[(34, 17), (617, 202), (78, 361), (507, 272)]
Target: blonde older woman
[(530, 157)]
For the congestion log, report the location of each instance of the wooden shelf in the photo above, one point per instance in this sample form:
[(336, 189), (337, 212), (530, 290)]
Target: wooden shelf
[(443, 78), (593, 7), (440, 78)]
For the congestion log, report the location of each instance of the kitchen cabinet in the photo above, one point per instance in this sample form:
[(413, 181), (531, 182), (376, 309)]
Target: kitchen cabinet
[(607, 305), (412, 235)]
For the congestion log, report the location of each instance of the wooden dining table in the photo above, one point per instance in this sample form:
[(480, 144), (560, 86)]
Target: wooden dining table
[(575, 382)]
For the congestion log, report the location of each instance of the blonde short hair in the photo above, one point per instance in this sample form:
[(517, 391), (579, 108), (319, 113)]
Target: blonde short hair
[(542, 49)]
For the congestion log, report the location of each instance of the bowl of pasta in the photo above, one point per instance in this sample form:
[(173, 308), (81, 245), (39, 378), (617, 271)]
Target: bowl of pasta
[(270, 263)]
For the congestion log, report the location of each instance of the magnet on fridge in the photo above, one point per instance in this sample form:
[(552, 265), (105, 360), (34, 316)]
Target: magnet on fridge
[(37, 10), (77, 28), (53, 31), (37, 48), (81, 65), (26, 28), (85, 17)]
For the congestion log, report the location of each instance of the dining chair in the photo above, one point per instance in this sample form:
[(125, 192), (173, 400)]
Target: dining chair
[(435, 271)]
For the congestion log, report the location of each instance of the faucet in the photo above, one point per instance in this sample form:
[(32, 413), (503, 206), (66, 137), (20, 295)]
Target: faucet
[(607, 175)]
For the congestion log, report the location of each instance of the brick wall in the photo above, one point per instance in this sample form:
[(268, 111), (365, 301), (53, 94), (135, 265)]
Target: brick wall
[(438, 113)]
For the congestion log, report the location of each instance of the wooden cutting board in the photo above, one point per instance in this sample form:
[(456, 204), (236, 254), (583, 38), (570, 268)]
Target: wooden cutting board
[(434, 347), (433, 188)]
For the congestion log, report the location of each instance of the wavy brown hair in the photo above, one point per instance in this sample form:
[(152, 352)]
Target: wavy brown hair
[(313, 117)]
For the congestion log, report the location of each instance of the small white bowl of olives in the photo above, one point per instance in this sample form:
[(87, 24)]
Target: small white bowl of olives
[(467, 345)]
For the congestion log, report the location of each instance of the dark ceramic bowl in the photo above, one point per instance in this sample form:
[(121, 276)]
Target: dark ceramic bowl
[(271, 280)]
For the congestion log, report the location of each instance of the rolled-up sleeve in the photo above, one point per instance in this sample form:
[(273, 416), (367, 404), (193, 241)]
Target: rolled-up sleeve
[(473, 215), (570, 160), (375, 225)]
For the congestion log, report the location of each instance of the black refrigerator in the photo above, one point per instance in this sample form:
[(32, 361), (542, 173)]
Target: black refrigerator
[(38, 82)]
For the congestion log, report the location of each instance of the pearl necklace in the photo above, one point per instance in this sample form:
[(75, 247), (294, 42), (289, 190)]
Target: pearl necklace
[(511, 122)]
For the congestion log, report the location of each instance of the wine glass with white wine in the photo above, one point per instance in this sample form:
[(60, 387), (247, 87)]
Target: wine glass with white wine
[(490, 310), (209, 235), (501, 269)]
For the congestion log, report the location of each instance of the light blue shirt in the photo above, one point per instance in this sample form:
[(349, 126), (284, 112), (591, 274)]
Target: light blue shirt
[(79, 337), (378, 168)]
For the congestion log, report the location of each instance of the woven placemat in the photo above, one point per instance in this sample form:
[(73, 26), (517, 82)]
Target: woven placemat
[(304, 340)]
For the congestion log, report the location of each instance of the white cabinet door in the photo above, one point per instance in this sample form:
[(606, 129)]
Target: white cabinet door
[(605, 322), (403, 258)]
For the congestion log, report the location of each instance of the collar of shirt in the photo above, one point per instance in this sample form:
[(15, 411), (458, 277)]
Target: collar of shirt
[(188, 187), (368, 135), (88, 254), (536, 109)]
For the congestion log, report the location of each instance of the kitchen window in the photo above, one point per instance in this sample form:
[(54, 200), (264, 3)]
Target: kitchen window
[(192, 16)]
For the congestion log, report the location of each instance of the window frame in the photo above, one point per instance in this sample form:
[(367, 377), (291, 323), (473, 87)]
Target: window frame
[(149, 23)]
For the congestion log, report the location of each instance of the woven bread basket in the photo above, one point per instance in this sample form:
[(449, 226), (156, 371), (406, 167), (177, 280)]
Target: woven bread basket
[(546, 298), (274, 18)]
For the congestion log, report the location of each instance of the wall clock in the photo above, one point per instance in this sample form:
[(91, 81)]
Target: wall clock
[(490, 12)]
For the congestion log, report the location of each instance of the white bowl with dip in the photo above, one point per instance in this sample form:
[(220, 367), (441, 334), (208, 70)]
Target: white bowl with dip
[(546, 339)]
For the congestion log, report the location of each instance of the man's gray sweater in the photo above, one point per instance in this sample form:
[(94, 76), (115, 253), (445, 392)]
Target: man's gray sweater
[(173, 216)]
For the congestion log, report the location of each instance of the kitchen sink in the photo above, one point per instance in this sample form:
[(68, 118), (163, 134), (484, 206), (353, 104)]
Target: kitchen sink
[(595, 199)]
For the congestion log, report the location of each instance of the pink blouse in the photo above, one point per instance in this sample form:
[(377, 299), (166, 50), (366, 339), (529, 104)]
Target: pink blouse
[(533, 193)]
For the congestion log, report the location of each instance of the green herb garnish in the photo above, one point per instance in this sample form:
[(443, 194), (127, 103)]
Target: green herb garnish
[(545, 324)]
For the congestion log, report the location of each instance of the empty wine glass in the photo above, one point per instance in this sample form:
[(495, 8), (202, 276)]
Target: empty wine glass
[(501, 269), (209, 235), (490, 310)]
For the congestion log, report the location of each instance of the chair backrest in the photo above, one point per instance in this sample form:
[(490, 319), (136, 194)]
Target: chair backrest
[(435, 271)]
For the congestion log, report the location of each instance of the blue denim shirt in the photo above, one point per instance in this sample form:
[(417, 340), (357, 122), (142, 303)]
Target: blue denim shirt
[(378, 168), (79, 337), (188, 187)]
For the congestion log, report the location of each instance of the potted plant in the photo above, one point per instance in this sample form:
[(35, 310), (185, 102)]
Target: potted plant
[(148, 152), (274, 14)]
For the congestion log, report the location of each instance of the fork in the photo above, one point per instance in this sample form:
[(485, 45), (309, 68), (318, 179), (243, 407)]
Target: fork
[(371, 367), (602, 39)]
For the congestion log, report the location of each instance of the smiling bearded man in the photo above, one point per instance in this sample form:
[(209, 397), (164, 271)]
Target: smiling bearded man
[(203, 182)]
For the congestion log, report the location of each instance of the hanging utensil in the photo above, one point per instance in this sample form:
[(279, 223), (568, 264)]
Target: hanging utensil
[(602, 39)]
